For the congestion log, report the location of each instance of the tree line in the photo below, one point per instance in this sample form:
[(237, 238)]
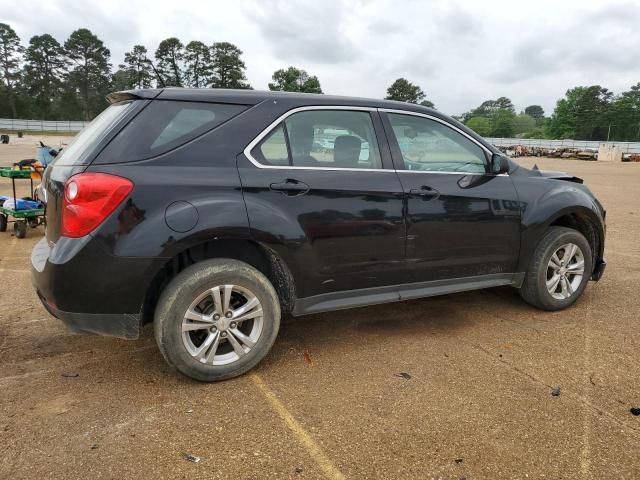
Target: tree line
[(584, 113), (50, 80)]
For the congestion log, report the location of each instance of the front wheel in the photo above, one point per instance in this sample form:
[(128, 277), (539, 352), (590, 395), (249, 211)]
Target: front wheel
[(217, 319), (559, 270)]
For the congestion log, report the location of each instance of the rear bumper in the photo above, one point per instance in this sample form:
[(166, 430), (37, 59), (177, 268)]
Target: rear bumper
[(88, 289), (598, 270), (114, 325)]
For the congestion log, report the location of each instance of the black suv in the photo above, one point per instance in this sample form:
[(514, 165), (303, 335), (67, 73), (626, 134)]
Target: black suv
[(211, 213)]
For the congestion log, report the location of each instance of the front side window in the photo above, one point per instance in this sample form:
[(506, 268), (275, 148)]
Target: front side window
[(428, 145), (322, 138)]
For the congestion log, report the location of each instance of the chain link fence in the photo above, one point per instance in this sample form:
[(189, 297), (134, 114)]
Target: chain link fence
[(626, 147), (76, 126), (40, 125)]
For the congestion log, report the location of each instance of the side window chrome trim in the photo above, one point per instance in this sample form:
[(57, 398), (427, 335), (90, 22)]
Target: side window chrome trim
[(281, 118), (264, 133), (439, 120), (436, 172)]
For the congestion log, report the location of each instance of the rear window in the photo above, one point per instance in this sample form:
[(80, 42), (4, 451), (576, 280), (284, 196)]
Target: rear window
[(83, 144), (163, 126)]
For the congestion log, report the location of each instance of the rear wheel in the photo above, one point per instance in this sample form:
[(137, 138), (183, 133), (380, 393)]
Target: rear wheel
[(20, 228), (559, 270), (217, 319), (3, 222)]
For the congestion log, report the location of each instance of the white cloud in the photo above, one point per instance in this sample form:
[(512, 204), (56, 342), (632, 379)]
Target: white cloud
[(460, 53)]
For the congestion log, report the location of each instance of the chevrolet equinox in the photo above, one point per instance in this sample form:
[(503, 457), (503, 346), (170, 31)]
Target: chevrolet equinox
[(211, 213)]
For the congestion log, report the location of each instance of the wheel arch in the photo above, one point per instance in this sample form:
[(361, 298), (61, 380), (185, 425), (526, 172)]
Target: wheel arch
[(258, 255), (584, 221), (576, 217)]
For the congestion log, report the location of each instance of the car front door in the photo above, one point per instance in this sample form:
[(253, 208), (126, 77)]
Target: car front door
[(321, 191), (461, 220)]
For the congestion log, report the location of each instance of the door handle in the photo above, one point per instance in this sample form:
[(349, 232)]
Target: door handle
[(290, 187), (425, 191)]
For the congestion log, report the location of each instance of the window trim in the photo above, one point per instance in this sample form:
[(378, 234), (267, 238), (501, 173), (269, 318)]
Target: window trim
[(256, 141), (285, 131)]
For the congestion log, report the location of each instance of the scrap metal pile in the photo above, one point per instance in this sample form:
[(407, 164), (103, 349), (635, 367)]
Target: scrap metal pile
[(562, 152)]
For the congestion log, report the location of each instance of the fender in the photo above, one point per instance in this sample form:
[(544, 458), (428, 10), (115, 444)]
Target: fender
[(545, 201)]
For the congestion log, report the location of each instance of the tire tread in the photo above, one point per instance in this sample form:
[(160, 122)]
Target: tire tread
[(531, 291), (165, 311)]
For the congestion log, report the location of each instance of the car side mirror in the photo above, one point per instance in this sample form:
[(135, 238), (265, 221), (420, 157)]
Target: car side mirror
[(499, 164)]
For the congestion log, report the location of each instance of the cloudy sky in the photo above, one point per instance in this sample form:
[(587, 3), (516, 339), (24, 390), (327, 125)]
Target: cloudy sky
[(460, 53)]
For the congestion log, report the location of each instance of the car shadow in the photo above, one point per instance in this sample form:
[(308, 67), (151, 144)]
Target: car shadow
[(442, 315)]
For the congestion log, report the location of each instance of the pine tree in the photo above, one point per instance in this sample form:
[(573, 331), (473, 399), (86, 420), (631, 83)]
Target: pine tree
[(228, 67), (10, 58), (91, 73)]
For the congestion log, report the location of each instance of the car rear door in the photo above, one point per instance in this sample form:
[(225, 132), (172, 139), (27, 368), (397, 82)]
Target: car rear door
[(461, 220), (321, 191)]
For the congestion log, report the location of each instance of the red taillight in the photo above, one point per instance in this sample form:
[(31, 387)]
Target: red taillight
[(89, 198)]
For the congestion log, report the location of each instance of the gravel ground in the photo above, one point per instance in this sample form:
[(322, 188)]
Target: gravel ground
[(328, 402), (25, 147)]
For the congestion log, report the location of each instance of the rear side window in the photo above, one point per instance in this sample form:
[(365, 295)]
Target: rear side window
[(165, 125), (322, 139), (273, 150)]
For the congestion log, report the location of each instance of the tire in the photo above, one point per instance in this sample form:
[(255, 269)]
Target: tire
[(20, 228), (193, 290), (535, 289), (3, 222)]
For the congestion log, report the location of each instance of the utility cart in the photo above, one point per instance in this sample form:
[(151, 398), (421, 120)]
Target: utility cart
[(24, 211)]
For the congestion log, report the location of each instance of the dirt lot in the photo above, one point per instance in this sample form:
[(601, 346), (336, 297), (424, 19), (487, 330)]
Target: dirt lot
[(328, 403), (25, 147)]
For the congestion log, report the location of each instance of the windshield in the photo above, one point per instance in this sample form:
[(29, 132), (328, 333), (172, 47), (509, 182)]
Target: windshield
[(79, 149)]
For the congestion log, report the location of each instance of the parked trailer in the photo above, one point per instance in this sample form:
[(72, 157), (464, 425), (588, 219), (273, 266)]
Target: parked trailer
[(24, 211)]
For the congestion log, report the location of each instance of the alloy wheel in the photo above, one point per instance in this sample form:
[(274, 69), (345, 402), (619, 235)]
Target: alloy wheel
[(565, 271), (222, 325)]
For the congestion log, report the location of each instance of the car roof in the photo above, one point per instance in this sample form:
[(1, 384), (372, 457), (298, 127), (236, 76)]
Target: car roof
[(253, 97), (292, 99)]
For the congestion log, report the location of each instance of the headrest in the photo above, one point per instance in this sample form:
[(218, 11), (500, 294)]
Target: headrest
[(346, 151)]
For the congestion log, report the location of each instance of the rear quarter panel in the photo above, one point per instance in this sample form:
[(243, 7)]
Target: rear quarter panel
[(202, 173)]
